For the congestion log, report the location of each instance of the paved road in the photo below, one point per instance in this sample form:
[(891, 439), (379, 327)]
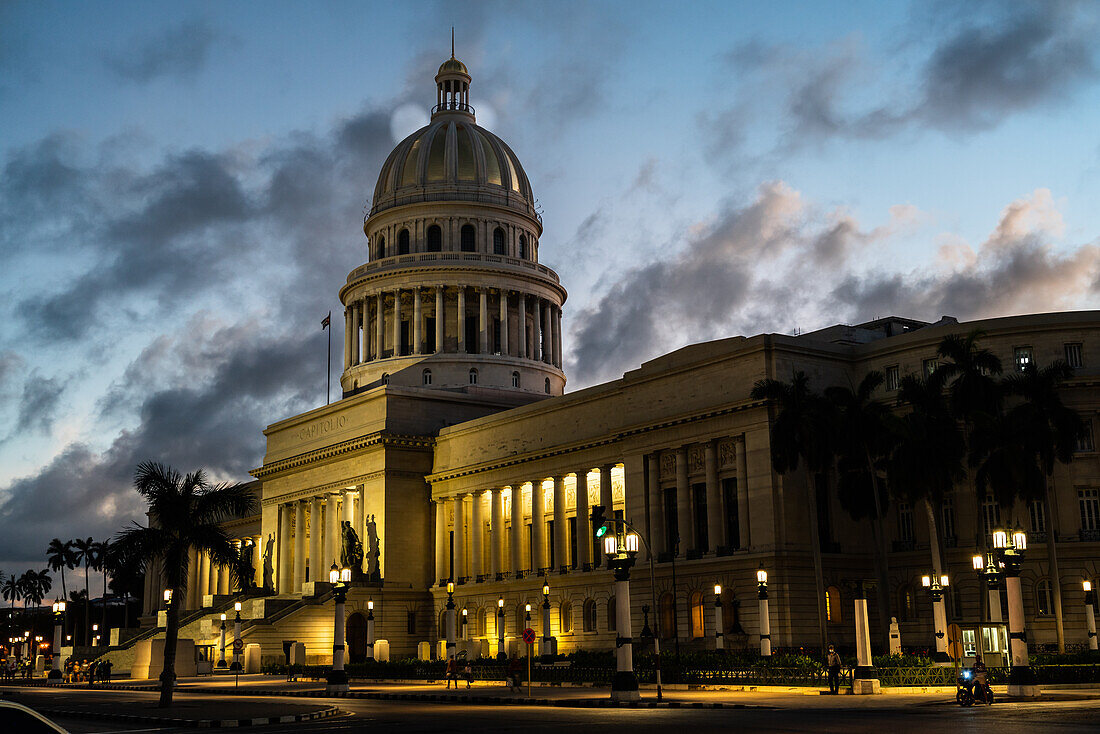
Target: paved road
[(892, 714)]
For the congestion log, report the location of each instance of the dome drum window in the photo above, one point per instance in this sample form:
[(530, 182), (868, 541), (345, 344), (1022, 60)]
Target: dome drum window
[(435, 238), (468, 238), (498, 242), (403, 242)]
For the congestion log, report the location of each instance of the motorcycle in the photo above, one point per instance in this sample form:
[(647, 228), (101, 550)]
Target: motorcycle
[(971, 690)]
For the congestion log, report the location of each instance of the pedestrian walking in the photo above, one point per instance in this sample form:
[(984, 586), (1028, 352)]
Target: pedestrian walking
[(468, 674), (514, 672), (832, 662), (452, 671)]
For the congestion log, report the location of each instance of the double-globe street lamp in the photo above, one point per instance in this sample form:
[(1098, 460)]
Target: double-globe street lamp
[(1009, 549), (370, 630), (988, 571), (547, 643), (450, 619), (937, 587), (621, 548), (765, 617), (337, 678), (221, 643), (58, 623), (719, 638), (501, 654)]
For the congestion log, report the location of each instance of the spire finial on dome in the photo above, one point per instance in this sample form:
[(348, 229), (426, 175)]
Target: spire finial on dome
[(452, 42), (452, 85)]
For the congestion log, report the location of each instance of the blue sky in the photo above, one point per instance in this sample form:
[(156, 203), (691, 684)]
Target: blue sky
[(183, 186)]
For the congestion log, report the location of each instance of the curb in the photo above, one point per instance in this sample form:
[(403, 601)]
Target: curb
[(200, 723)]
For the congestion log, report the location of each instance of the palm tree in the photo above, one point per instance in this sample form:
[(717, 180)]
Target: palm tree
[(12, 590), (126, 578), (85, 553), (800, 439), (103, 550), (185, 513), (34, 586), (60, 556), (864, 438)]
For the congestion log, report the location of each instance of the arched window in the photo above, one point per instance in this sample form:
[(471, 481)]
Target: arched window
[(403, 242), (435, 238), (589, 621), (698, 616), (498, 241), (468, 237), (481, 622), (667, 616), (443, 624), (546, 385), (907, 607), (521, 618), (612, 615), (427, 377), (832, 605), (515, 379), (473, 377), (1044, 600), (523, 246), (380, 248), (385, 378), (565, 617)]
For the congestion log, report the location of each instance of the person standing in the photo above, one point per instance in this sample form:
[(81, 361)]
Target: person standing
[(832, 663), (452, 671)]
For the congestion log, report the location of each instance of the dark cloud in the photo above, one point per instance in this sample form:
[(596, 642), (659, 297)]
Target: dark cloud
[(178, 51), (37, 408)]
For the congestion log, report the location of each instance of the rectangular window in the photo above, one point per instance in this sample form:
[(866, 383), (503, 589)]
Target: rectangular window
[(1044, 601), (573, 542), (429, 325), (472, 345), (1084, 441), (1021, 357), (733, 523), (699, 495), (893, 379), (410, 623), (947, 517), (531, 548), (929, 366), (1036, 511), (495, 337), (905, 521), (451, 554), (1073, 355), (552, 545), (1089, 500), (406, 338), (671, 520), (991, 516)]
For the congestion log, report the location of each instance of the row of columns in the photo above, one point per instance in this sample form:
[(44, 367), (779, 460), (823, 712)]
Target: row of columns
[(686, 510), (472, 566), (207, 578), (310, 537), (365, 322)]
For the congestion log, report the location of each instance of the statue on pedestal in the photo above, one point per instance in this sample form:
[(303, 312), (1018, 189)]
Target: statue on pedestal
[(351, 553), (374, 551), (269, 569)]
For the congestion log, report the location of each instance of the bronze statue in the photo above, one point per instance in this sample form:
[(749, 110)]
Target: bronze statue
[(269, 569), (351, 553)]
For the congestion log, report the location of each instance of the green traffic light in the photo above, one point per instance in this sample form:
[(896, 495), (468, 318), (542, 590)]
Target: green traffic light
[(600, 533)]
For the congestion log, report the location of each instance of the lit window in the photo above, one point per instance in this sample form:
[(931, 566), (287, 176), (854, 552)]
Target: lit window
[(1044, 600), (515, 379), (1073, 355), (832, 604), (929, 366), (1021, 356), (892, 378), (1084, 440), (698, 614), (498, 241), (473, 377), (427, 377)]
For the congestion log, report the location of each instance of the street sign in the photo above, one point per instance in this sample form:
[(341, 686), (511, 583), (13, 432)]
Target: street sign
[(954, 642), (529, 636), (238, 646)]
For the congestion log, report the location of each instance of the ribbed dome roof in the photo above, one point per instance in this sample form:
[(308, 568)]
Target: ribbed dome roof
[(449, 155), (453, 65)]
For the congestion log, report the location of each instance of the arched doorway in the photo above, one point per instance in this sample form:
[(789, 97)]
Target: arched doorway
[(356, 634)]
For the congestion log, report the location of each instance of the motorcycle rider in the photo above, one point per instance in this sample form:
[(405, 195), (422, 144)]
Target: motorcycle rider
[(980, 677)]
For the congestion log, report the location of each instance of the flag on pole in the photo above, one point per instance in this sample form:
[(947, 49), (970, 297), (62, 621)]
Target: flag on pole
[(326, 321)]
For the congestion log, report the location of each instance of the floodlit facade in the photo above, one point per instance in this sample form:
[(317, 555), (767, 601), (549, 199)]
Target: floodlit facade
[(455, 454)]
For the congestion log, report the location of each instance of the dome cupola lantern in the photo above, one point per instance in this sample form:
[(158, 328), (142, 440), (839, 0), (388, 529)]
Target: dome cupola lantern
[(452, 84)]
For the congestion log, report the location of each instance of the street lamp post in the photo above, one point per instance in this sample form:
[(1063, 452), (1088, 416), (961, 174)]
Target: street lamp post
[(370, 629), (719, 637), (937, 586), (337, 678), (620, 549), (450, 619), (236, 636), (1010, 556), (221, 644), (1090, 616), (58, 623), (501, 654), (465, 621), (95, 635), (765, 617), (547, 652), (986, 568)]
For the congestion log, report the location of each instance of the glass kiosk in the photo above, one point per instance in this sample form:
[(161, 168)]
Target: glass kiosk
[(988, 639)]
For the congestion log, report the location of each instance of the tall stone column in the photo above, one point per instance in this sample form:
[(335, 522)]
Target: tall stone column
[(461, 318), (332, 534), (360, 522), (496, 531), (299, 545), (379, 325), (536, 330), (417, 318), (656, 506), (439, 316), (364, 321), (397, 323), (538, 526), (286, 553), (257, 560), (521, 335), (348, 507), (683, 502), (517, 528), (743, 496), (584, 523), (483, 321), (356, 320), (557, 336), (477, 535), (561, 544), (504, 322), (192, 580), (544, 345), (441, 569), (211, 576), (460, 538), (224, 587), (316, 565), (716, 526), (347, 337)]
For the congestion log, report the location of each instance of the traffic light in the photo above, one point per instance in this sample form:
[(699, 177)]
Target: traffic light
[(598, 521)]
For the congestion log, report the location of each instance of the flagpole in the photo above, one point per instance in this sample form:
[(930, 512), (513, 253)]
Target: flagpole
[(328, 372)]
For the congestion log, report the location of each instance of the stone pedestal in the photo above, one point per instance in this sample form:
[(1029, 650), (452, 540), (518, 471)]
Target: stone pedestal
[(252, 658), (382, 651), (865, 686), (149, 659), (423, 651)]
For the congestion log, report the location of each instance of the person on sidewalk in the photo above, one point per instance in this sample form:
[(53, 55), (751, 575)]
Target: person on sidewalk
[(514, 671), (468, 674), (452, 672), (832, 662)]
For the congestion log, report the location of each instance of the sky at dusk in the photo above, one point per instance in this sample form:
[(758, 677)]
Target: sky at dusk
[(182, 189)]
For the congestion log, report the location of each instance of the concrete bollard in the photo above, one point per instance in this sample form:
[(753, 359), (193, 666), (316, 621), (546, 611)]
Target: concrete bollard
[(252, 658), (424, 651), (382, 651)]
